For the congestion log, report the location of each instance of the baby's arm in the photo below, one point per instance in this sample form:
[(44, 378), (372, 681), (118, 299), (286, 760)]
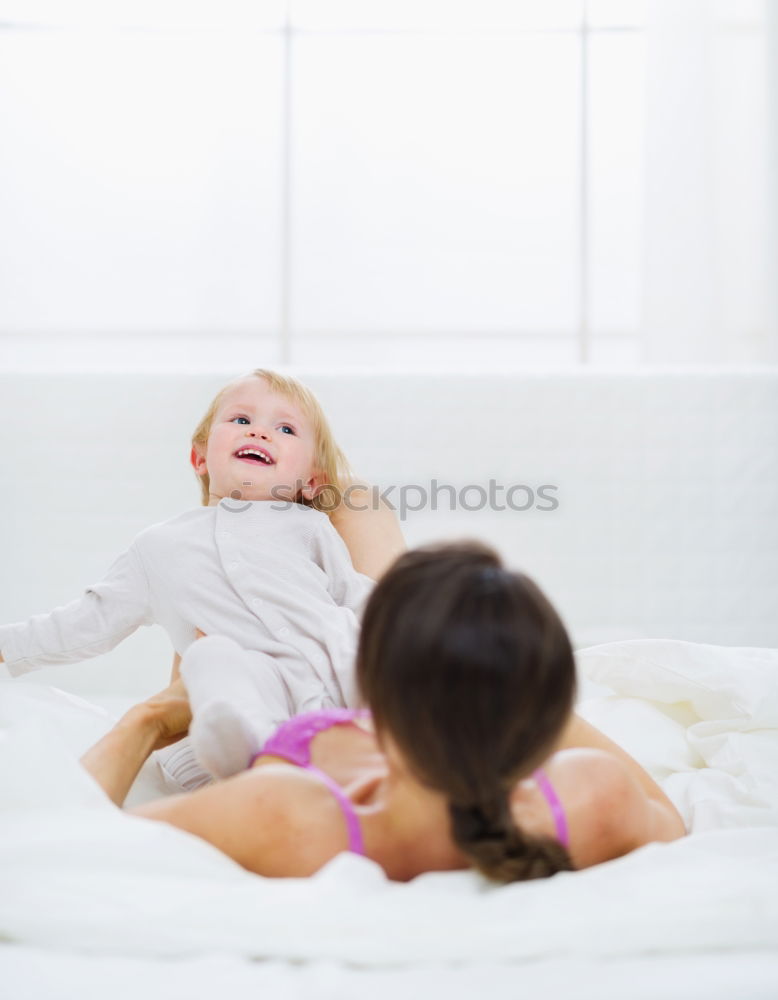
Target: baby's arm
[(108, 612)]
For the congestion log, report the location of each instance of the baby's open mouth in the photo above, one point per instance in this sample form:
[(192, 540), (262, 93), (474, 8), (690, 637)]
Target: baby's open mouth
[(255, 455)]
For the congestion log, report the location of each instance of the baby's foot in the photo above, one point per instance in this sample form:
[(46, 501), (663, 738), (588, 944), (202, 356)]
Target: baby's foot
[(222, 739)]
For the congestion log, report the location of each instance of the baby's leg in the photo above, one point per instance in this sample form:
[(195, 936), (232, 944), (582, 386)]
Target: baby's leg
[(238, 699), (180, 768)]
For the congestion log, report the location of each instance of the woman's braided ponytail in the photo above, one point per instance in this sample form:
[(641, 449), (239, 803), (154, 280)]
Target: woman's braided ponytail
[(469, 669), (501, 850)]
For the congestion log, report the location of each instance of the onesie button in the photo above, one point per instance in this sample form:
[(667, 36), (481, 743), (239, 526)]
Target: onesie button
[(232, 565), (283, 631), (257, 603)]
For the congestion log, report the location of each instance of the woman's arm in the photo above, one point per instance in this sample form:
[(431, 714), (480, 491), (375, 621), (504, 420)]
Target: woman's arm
[(274, 820), (114, 762), (580, 733), (370, 529)]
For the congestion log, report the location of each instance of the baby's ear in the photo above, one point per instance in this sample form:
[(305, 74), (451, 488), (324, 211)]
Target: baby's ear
[(198, 461), (314, 486)]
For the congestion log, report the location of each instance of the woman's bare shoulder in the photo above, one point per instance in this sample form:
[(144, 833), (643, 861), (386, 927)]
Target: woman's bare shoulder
[(608, 812), (276, 820)]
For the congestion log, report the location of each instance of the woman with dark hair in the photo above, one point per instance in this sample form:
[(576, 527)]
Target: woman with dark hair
[(469, 679)]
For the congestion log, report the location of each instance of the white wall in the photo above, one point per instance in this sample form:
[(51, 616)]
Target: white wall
[(667, 489)]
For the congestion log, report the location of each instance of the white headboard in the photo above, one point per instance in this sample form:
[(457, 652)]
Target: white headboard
[(666, 484)]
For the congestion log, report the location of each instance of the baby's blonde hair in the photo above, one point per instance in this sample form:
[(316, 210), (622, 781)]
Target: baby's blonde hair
[(329, 461)]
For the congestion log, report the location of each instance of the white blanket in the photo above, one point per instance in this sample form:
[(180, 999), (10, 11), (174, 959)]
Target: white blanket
[(76, 873)]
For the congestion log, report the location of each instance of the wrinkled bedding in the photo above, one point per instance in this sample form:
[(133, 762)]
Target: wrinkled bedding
[(77, 874)]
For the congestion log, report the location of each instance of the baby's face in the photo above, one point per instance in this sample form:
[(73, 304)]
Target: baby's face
[(260, 441)]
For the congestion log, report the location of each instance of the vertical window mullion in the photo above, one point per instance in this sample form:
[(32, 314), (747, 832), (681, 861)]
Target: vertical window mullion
[(584, 332), (284, 325)]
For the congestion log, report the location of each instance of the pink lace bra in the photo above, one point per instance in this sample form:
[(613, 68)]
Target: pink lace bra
[(292, 742)]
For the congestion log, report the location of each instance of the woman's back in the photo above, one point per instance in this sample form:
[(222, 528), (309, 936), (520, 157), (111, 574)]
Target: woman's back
[(281, 819)]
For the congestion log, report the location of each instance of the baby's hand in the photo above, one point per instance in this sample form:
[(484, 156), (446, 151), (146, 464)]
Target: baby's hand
[(199, 634)]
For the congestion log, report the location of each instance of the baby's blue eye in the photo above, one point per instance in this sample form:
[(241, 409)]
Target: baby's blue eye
[(287, 429), (239, 420)]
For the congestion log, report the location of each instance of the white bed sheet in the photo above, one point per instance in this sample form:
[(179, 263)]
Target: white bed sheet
[(32, 974), (79, 877)]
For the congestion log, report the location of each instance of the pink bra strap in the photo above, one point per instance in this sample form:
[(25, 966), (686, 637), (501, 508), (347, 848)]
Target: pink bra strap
[(356, 843), (292, 742), (557, 809)]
